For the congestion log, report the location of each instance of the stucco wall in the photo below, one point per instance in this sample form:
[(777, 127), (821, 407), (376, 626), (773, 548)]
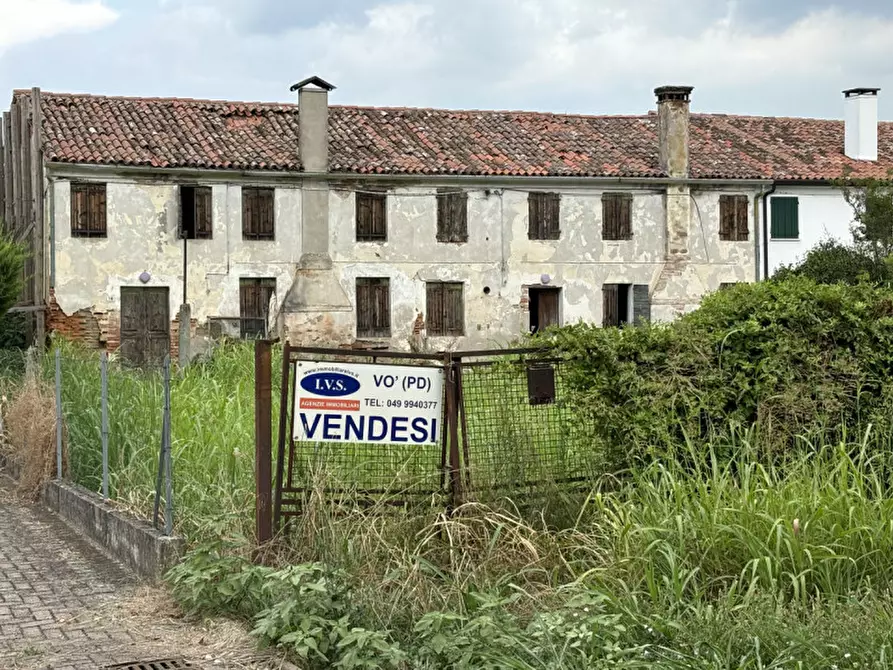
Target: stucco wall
[(499, 256), (142, 223), (497, 265), (824, 214)]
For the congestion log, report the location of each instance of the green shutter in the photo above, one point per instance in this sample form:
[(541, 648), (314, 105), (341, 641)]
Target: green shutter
[(785, 219)]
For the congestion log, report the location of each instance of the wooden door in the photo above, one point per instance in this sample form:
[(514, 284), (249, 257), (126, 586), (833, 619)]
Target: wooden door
[(548, 308), (145, 325)]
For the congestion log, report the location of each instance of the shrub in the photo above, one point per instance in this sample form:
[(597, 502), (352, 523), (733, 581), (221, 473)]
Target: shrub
[(831, 262), (12, 260), (791, 357)]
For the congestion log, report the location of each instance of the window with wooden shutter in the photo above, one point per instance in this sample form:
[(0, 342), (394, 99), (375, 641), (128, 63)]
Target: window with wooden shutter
[(254, 306), (617, 216), (452, 216), (445, 308), (372, 217), (733, 218), (88, 210), (373, 307), (543, 216), (257, 213), (785, 218), (195, 212)]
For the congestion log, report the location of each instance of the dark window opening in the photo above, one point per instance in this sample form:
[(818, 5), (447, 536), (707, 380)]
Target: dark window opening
[(373, 307), (372, 217), (617, 216), (88, 210), (726, 285), (615, 307), (257, 213), (445, 308), (195, 212), (254, 306), (543, 211), (452, 217), (733, 218), (544, 308)]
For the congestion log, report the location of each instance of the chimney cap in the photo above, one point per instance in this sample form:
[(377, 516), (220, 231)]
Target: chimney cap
[(665, 93), (851, 92), (313, 81)]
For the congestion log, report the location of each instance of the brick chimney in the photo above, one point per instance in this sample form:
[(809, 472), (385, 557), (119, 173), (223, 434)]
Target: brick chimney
[(313, 110), (673, 121), (860, 123)]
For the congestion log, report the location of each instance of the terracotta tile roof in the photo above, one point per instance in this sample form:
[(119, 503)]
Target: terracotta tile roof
[(170, 132)]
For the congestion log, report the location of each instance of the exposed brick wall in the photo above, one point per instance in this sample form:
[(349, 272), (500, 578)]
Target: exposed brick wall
[(100, 330)]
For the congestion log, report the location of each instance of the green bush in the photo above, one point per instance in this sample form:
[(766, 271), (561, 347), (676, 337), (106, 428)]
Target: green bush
[(12, 260), (831, 262), (793, 358)]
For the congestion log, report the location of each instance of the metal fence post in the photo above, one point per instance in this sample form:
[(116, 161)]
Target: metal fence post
[(58, 414), (104, 364), (168, 466), (164, 458), (263, 441)]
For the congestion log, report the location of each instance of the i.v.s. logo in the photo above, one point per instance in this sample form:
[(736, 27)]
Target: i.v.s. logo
[(330, 384)]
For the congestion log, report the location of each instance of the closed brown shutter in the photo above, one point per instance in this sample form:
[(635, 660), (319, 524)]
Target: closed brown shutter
[(373, 307), (617, 216), (452, 217), (544, 214), (445, 307), (434, 306), (610, 305), (88, 210), (203, 209), (254, 306), (733, 211), (257, 213), (372, 224), (741, 208)]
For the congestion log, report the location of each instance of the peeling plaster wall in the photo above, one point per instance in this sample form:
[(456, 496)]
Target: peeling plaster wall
[(500, 256), (824, 214), (142, 235), (709, 261), (142, 224)]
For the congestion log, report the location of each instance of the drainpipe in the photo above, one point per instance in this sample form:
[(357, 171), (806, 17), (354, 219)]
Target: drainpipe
[(51, 188), (766, 230)]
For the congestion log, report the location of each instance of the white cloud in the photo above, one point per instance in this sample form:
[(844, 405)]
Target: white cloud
[(23, 21)]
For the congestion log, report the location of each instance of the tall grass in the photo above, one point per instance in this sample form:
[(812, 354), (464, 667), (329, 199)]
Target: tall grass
[(695, 561), (212, 431)]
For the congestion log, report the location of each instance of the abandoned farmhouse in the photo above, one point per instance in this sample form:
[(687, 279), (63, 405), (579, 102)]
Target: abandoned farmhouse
[(407, 228)]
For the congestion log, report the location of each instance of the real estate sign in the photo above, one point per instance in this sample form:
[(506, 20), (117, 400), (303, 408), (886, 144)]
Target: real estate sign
[(356, 402)]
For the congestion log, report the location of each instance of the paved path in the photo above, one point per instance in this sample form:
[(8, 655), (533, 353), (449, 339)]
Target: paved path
[(65, 606)]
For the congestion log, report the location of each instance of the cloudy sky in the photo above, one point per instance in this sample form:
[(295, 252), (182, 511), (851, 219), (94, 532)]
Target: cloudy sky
[(784, 57)]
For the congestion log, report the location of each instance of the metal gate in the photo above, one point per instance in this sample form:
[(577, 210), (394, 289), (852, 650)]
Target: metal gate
[(506, 427)]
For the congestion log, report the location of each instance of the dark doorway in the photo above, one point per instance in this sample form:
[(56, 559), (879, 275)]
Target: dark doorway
[(544, 308), (145, 325), (615, 304)]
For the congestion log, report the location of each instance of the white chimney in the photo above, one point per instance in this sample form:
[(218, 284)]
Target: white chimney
[(860, 123)]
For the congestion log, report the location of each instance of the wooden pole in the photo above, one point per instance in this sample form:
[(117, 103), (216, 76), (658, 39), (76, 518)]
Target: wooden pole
[(263, 441), (38, 246)]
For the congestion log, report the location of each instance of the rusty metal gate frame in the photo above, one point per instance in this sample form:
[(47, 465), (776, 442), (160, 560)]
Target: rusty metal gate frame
[(455, 459)]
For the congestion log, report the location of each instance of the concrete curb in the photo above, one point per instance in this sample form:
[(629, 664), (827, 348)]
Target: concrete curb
[(133, 542)]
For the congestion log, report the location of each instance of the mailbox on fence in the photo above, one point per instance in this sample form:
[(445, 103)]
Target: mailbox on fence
[(541, 383)]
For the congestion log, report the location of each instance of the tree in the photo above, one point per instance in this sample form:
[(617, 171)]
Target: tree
[(872, 203), (12, 263)]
